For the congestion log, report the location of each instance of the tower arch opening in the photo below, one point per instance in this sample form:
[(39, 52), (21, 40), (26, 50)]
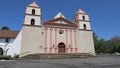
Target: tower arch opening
[(33, 11), (84, 26), (83, 18), (32, 21)]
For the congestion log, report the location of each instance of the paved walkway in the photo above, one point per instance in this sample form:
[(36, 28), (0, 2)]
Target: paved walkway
[(95, 62)]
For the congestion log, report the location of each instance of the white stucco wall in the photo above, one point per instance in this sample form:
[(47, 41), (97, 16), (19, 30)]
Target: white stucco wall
[(80, 16), (85, 42), (81, 25), (37, 10), (32, 40), (28, 20), (29, 16), (14, 49), (2, 40), (7, 47)]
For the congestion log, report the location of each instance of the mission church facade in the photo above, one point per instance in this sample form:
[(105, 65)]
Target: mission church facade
[(58, 35)]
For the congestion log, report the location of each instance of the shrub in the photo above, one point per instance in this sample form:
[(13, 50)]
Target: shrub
[(5, 57), (15, 57)]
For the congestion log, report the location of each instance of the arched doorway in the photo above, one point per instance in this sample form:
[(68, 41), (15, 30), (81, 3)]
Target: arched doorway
[(61, 48), (1, 51)]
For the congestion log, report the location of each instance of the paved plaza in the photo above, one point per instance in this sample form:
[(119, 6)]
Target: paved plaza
[(94, 62)]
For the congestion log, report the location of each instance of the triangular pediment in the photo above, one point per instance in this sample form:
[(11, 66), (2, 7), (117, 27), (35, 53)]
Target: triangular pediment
[(60, 21), (59, 15)]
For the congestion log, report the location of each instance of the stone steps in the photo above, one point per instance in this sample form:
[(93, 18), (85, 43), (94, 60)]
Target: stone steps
[(56, 56)]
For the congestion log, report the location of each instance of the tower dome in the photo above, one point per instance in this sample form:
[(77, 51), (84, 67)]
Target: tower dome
[(34, 4), (80, 12)]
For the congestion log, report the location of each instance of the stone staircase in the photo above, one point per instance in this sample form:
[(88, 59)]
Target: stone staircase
[(56, 56)]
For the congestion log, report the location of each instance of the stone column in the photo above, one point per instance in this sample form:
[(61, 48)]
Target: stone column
[(51, 46), (67, 47), (76, 48), (46, 47), (56, 48), (71, 45)]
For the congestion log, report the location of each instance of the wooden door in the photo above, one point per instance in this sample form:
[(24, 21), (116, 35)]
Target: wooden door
[(61, 48)]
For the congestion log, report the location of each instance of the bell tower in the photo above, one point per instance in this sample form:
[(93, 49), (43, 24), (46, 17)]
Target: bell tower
[(32, 31), (33, 15), (82, 20), (84, 32)]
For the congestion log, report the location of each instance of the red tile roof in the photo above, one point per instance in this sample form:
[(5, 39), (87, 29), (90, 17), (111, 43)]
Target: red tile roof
[(8, 34)]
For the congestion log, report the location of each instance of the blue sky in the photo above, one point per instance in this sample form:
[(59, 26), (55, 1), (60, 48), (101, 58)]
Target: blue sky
[(104, 14)]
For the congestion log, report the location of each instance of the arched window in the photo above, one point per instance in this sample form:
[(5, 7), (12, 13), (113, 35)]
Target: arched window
[(33, 11), (1, 51), (84, 26), (83, 18), (32, 22)]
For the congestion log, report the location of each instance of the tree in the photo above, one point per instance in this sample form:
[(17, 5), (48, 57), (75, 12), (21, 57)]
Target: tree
[(107, 46), (115, 42), (97, 48), (5, 28), (101, 45)]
